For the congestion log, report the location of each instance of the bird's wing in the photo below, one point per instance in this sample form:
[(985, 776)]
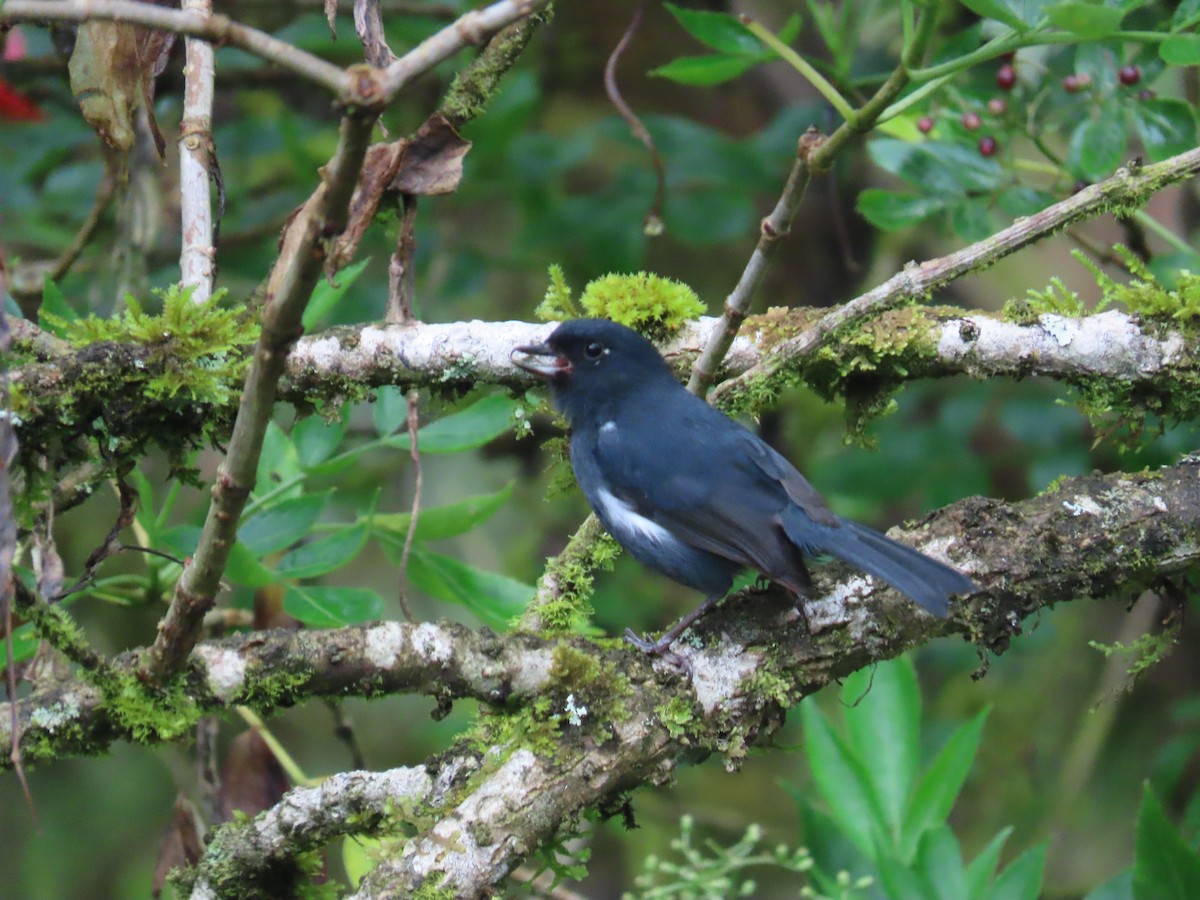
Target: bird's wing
[(708, 481)]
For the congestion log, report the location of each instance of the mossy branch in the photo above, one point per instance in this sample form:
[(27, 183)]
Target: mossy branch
[(753, 660)]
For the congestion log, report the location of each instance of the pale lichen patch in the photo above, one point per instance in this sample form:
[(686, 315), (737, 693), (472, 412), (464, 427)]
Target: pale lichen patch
[(226, 671), (383, 644), (718, 673)]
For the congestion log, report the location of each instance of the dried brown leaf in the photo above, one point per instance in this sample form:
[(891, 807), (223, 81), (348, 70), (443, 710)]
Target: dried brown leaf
[(368, 23), (112, 76), (181, 844), (379, 168), (331, 17), (251, 778), (433, 159)]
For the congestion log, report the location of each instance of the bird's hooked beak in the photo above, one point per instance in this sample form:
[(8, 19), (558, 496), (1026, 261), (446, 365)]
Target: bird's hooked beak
[(555, 366)]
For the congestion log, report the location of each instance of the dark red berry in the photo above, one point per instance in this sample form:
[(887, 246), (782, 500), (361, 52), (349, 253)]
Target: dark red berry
[(971, 121), (1006, 77), (1009, 56), (987, 146), (924, 124), (997, 106), (1129, 75)]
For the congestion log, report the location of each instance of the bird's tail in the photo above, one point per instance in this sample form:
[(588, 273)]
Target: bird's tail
[(927, 581)]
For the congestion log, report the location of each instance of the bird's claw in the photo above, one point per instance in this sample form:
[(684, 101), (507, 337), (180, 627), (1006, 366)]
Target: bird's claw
[(660, 648)]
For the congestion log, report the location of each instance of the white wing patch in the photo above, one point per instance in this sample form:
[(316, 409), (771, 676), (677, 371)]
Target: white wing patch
[(627, 522), (608, 427)]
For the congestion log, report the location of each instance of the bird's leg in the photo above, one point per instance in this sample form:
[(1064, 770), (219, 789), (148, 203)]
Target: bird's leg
[(659, 647)]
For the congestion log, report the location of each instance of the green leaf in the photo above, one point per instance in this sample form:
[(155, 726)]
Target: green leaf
[(939, 859), (937, 167), (390, 410), (277, 463), (440, 522), (479, 423), (282, 524), (1098, 144), (1164, 866), (999, 10), (1119, 887), (893, 211), (331, 607), (940, 783), (720, 31), (1166, 127), (324, 555), (902, 881), (883, 718), (842, 780), (1022, 879), (791, 28), (325, 296), (983, 867), (1089, 20), (181, 540), (55, 313), (493, 597), (315, 438), (972, 219), (704, 71), (1181, 49), (244, 567)]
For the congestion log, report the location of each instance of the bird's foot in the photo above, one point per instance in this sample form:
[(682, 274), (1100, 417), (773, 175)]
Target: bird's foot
[(660, 648)]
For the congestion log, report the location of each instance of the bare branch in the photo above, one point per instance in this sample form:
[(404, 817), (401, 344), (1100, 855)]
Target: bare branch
[(296, 272), (216, 29), (471, 28), (196, 158)]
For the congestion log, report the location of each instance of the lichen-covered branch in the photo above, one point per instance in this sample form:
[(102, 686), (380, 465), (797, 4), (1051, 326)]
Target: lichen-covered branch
[(1128, 189), (1100, 536)]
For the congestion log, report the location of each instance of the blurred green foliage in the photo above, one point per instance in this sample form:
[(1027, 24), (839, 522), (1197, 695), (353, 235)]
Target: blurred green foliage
[(553, 177)]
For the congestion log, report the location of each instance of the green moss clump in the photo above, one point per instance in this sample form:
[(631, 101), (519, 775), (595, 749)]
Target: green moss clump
[(1145, 294), (676, 715), (138, 381), (571, 572), (651, 304)]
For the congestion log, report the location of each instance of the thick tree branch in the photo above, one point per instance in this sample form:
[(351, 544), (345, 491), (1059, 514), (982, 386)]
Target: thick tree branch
[(1094, 537), (1097, 536)]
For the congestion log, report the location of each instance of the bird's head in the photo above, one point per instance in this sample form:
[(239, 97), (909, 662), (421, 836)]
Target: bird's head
[(589, 363)]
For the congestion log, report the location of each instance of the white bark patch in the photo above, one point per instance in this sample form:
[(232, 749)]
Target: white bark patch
[(53, 717), (226, 672), (533, 672), (1082, 505), (384, 643), (717, 674), (838, 607), (432, 643)]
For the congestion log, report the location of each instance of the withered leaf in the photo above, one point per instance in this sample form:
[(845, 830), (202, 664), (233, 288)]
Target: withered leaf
[(368, 22), (330, 16), (379, 168), (112, 76), (433, 159), (181, 844), (251, 778)]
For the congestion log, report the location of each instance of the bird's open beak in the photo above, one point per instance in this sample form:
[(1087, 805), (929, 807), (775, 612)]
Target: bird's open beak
[(554, 366)]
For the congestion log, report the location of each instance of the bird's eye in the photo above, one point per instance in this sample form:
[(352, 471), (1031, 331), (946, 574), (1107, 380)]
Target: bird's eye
[(593, 350)]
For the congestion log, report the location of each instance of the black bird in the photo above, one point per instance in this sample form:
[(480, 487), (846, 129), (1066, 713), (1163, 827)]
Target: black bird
[(691, 493)]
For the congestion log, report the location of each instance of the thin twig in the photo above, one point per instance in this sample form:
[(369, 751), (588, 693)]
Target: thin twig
[(197, 253), (418, 482), (401, 280), (653, 223), (471, 28), (217, 29), (773, 228)]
